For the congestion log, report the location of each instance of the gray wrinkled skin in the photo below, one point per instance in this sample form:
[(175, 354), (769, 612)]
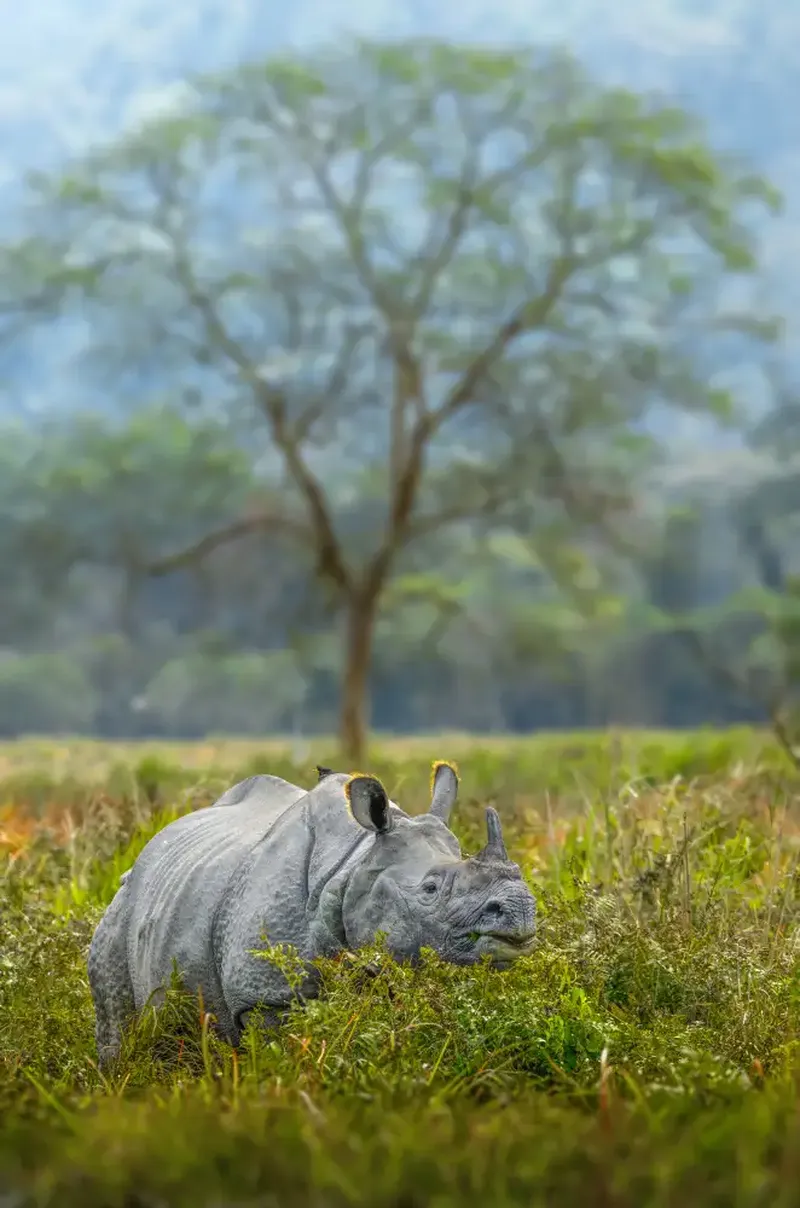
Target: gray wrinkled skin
[(324, 871)]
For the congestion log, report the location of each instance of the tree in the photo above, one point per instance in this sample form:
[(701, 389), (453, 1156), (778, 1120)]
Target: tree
[(435, 287)]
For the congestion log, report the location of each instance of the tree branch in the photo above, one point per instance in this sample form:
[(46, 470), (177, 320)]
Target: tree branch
[(330, 559), (336, 383), (534, 313), (401, 320), (436, 261), (528, 317), (246, 527), (349, 214), (495, 495)]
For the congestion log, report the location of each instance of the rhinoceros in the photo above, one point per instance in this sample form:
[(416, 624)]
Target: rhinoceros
[(323, 870)]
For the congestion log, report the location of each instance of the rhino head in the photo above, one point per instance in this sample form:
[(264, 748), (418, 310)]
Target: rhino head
[(414, 886)]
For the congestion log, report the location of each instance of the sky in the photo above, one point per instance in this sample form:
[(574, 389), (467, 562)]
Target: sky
[(72, 70)]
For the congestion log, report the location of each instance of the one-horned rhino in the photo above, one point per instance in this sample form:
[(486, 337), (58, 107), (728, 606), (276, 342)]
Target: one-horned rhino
[(323, 870)]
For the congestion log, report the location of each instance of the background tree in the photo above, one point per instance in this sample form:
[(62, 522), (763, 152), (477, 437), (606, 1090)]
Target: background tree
[(426, 286)]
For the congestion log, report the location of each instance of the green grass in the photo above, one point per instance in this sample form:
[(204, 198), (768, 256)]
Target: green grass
[(647, 1053)]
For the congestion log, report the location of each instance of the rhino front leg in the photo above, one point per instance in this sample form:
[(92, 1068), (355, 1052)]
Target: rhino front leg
[(269, 1019), (110, 981), (272, 1012)]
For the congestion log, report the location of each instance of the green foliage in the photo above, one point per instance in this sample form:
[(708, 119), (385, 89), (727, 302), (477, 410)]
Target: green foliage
[(646, 1052), (44, 693), (120, 493), (254, 693)]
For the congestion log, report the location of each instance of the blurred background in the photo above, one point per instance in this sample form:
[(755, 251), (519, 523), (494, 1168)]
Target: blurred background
[(415, 368)]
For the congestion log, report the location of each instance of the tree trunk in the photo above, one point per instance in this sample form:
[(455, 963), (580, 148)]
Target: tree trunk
[(354, 709)]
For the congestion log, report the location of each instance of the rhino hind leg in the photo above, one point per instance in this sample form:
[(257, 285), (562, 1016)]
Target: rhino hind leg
[(110, 981)]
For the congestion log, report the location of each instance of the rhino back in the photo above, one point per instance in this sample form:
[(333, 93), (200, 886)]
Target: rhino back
[(177, 885), (263, 791)]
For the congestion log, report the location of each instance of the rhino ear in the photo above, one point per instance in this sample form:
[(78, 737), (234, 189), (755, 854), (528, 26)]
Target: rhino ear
[(323, 772), (444, 789), (369, 803)]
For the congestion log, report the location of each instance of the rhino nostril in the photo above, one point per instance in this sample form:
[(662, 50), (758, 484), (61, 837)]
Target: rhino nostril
[(494, 909)]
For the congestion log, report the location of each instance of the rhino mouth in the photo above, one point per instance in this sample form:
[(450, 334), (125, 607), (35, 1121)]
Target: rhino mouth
[(518, 941)]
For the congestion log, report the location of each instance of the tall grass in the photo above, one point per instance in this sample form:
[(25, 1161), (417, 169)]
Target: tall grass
[(647, 1053)]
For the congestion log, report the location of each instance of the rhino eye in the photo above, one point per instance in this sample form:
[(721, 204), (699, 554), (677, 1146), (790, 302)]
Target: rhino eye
[(429, 888)]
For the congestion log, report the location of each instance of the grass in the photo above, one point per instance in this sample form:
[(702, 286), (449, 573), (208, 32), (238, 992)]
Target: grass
[(647, 1053)]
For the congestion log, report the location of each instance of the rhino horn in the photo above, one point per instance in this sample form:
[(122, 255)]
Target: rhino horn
[(495, 849), (444, 789)]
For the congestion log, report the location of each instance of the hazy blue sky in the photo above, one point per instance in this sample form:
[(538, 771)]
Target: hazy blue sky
[(71, 69)]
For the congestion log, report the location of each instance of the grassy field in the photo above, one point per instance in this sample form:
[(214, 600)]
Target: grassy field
[(646, 1054)]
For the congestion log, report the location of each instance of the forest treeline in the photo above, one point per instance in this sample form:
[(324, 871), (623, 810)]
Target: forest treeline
[(477, 636)]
